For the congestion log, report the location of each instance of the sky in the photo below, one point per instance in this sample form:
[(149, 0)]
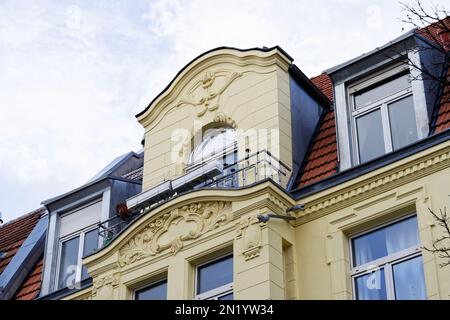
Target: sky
[(73, 74)]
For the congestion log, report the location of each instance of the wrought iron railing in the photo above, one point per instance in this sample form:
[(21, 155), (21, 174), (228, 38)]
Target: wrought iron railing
[(253, 168), (110, 228), (249, 170)]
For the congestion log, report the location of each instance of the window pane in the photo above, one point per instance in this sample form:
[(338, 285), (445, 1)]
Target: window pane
[(371, 286), (226, 297), (215, 274), (90, 244), (370, 136), (68, 262), (215, 141), (403, 122), (409, 280), (382, 91), (157, 291), (385, 241)]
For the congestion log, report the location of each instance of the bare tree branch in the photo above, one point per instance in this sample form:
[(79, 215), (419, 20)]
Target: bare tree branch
[(441, 246)]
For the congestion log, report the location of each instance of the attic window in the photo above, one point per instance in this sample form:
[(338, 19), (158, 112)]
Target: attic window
[(215, 142), (383, 116)]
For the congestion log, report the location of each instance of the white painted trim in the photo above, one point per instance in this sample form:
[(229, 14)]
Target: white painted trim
[(106, 202), (385, 262), (420, 102), (379, 76), (215, 293), (342, 127), (381, 104), (49, 256), (81, 234), (151, 284)]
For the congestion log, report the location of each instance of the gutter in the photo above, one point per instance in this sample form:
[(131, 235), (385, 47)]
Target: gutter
[(308, 85), (370, 166), (374, 51), (263, 49), (84, 186)]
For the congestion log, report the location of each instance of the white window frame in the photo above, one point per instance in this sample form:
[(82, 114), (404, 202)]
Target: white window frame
[(151, 284), (385, 262), (215, 293), (219, 155), (381, 104), (68, 237)]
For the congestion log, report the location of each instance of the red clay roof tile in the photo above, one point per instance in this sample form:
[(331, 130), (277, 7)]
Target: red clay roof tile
[(31, 287), (321, 160), (12, 236)]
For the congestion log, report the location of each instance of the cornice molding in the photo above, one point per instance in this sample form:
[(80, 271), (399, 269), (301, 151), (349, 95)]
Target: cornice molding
[(201, 69), (107, 258), (248, 229), (110, 279), (385, 181)]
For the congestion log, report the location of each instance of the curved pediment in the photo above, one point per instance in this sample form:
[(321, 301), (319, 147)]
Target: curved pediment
[(201, 82), (170, 228), (174, 228)]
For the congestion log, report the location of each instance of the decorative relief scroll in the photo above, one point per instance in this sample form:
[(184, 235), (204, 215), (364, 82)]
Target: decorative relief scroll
[(205, 93), (173, 229), (224, 119), (249, 230), (102, 288)]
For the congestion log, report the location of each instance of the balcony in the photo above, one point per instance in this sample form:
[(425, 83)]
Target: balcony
[(212, 173)]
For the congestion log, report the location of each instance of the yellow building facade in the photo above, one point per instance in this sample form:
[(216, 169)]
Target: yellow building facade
[(306, 256)]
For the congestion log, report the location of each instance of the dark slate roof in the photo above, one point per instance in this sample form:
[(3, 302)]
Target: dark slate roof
[(135, 174), (321, 158)]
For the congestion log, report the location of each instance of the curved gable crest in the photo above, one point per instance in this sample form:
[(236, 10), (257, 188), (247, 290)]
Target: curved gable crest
[(201, 83)]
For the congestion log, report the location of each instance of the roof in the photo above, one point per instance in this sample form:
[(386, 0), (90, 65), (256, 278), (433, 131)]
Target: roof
[(321, 160), (135, 174), (431, 32), (263, 49), (115, 170), (441, 119), (12, 235), (31, 287), (374, 51)]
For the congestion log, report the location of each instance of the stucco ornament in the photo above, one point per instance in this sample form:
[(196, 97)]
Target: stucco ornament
[(249, 230), (172, 229), (222, 118), (205, 93), (103, 287)]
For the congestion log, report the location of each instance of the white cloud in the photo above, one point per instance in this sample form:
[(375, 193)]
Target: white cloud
[(74, 73)]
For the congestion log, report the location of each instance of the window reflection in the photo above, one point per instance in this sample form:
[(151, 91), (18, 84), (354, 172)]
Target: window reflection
[(157, 291), (215, 142), (387, 263), (408, 285)]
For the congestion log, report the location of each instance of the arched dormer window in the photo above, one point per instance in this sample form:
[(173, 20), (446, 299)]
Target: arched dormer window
[(217, 144)]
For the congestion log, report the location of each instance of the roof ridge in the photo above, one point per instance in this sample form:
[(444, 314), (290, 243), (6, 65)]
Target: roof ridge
[(26, 215)]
